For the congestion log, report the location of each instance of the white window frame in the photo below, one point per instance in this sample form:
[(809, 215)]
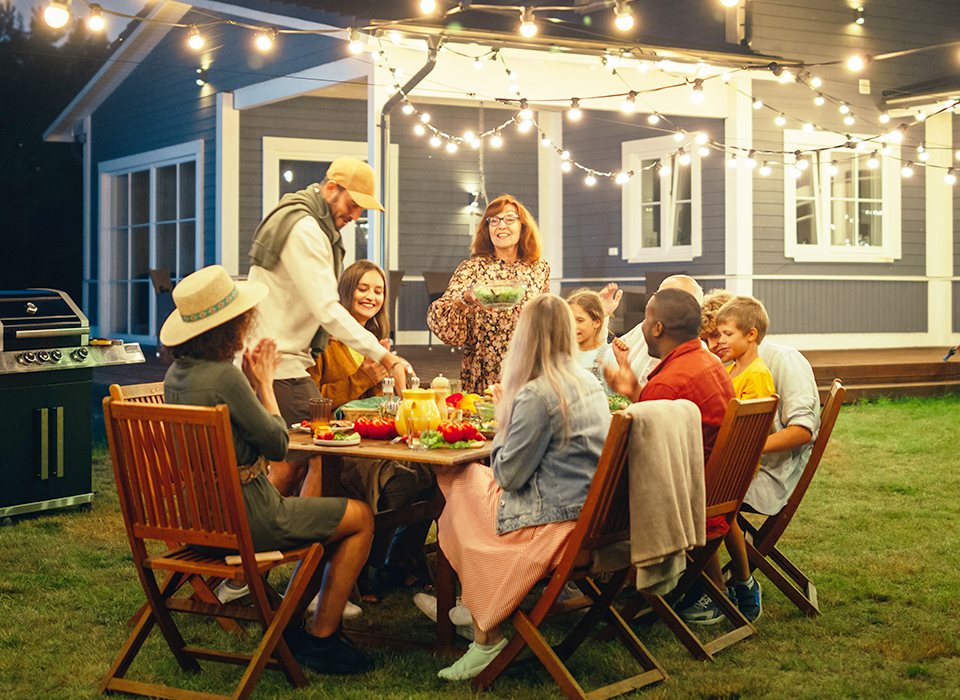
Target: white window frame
[(824, 250), (277, 148), (149, 160), (633, 154)]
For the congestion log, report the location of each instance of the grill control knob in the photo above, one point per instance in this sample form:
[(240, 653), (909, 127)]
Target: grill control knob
[(43, 356), (55, 355), (80, 354), (26, 358)]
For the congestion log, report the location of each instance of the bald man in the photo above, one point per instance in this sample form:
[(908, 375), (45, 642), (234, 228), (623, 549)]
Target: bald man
[(637, 354)]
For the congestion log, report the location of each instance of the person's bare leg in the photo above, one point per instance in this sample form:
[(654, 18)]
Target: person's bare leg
[(486, 637), (737, 547), (714, 571), (350, 545), (312, 482), (286, 476)]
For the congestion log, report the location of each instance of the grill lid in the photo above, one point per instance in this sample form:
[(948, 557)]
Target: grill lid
[(40, 318)]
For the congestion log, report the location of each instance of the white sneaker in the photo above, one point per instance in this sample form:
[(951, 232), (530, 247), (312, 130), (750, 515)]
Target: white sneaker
[(351, 611), (459, 615), (228, 594), (472, 663)]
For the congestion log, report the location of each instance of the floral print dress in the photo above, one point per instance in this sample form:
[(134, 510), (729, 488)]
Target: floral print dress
[(482, 334)]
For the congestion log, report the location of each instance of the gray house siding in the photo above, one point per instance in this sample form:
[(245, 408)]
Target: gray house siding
[(593, 215), (843, 306)]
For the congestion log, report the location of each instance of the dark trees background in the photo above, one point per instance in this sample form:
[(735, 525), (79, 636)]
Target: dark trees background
[(41, 184)]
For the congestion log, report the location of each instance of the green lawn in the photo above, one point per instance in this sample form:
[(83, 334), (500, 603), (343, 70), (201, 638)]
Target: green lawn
[(879, 532)]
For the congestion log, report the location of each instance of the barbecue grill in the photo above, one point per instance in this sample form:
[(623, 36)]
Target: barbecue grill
[(46, 382)]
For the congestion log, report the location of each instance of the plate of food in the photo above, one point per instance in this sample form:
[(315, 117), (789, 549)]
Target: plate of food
[(500, 294), (336, 426), (332, 439)]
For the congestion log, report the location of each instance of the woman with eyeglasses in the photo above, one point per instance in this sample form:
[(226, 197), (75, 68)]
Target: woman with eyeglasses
[(506, 246)]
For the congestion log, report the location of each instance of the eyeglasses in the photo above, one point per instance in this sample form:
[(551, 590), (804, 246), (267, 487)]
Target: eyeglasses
[(508, 219)]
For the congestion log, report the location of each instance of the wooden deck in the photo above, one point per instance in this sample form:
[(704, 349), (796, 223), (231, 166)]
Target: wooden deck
[(891, 372)]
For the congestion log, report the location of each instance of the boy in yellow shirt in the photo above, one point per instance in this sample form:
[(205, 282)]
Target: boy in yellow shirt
[(742, 323)]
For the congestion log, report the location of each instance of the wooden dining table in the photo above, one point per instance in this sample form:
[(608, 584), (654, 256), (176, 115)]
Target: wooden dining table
[(331, 465)]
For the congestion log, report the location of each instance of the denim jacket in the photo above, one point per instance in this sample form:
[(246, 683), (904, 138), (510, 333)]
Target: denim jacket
[(540, 482)]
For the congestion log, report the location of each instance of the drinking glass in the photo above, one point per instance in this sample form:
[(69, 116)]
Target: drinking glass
[(321, 411)]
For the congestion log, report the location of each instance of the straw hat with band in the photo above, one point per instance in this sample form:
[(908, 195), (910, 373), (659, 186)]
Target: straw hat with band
[(206, 299), (357, 178)]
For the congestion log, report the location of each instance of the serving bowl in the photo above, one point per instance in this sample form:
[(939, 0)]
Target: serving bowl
[(500, 294)]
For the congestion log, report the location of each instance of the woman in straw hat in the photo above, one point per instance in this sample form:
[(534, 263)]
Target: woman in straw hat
[(205, 333)]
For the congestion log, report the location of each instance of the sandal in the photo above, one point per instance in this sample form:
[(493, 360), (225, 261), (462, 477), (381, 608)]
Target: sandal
[(367, 592)]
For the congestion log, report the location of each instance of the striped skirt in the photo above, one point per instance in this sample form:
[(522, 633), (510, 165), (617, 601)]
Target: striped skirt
[(496, 571)]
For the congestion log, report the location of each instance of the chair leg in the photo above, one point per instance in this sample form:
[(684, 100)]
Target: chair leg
[(800, 591)]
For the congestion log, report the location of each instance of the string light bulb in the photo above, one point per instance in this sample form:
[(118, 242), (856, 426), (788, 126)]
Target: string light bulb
[(565, 155), (419, 130), (780, 120), (834, 168), (801, 161), (356, 46), (765, 169), (525, 111), (701, 138), (856, 63), (57, 14), (622, 178), (729, 3), (468, 136), (565, 166), (844, 108), (664, 168), (95, 21), (528, 27), (624, 20), (757, 104), (818, 100), (884, 118), (849, 120), (195, 41), (732, 161), (590, 179), (808, 128), (752, 159), (574, 112), (265, 39), (654, 118), (950, 178), (816, 82), (407, 108), (873, 162), (425, 118), (428, 6), (907, 170), (630, 103), (545, 140), (678, 135), (496, 140), (697, 93), (435, 141), (683, 157), (451, 146), (478, 64), (921, 116), (897, 134)]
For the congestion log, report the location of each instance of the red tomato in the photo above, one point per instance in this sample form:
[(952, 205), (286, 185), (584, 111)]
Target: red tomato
[(451, 431), (391, 428), (362, 426), (379, 428), (304, 424), (325, 436), (470, 431)]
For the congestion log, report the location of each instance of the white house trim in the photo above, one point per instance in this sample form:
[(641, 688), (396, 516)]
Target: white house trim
[(738, 184), (300, 83), (227, 226), (939, 227), (550, 196)]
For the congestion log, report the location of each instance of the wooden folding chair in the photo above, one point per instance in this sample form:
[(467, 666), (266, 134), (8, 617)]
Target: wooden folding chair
[(604, 519), (178, 481), (762, 540), (733, 463), (152, 393)]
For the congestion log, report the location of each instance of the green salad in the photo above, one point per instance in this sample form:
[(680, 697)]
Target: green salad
[(489, 297), (618, 402)]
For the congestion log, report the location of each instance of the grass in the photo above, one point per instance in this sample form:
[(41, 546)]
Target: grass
[(879, 532)]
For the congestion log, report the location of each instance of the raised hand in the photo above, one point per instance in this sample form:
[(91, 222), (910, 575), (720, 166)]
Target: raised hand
[(610, 298)]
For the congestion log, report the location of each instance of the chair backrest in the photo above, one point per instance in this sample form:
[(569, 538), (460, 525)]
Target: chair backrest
[(436, 283), (151, 392), (176, 474), (774, 526), (605, 516), (736, 454)]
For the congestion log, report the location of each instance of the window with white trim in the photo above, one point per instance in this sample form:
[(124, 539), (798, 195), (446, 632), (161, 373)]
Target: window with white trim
[(150, 214), (844, 207), (661, 205)]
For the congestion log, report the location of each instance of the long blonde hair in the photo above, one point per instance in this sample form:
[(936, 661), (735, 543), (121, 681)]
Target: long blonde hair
[(542, 344)]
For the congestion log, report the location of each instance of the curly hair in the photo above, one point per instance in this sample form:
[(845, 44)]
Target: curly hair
[(712, 302), (220, 343), (530, 247)]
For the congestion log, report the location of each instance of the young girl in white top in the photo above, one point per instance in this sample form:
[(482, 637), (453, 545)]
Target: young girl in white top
[(594, 351)]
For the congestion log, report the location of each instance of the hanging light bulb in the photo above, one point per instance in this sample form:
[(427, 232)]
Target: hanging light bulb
[(886, 150), (427, 6), (545, 140), (874, 161), (856, 63), (496, 140), (752, 159), (624, 20), (195, 41), (844, 108), (407, 108), (697, 93), (701, 138), (897, 134), (921, 116), (950, 178), (525, 111), (478, 64), (528, 27), (683, 157), (565, 155), (924, 156), (679, 136), (419, 130), (524, 125), (816, 82), (265, 39), (654, 118), (732, 161), (514, 89), (590, 179), (630, 103), (907, 170), (56, 13), (435, 141), (729, 3), (95, 21), (726, 77), (849, 120), (808, 127), (565, 166), (801, 161), (796, 172), (425, 117), (643, 66), (780, 120), (818, 100), (704, 151), (451, 146), (475, 143), (356, 46), (765, 169), (834, 169), (468, 136), (622, 178), (574, 112), (757, 104), (664, 168)]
